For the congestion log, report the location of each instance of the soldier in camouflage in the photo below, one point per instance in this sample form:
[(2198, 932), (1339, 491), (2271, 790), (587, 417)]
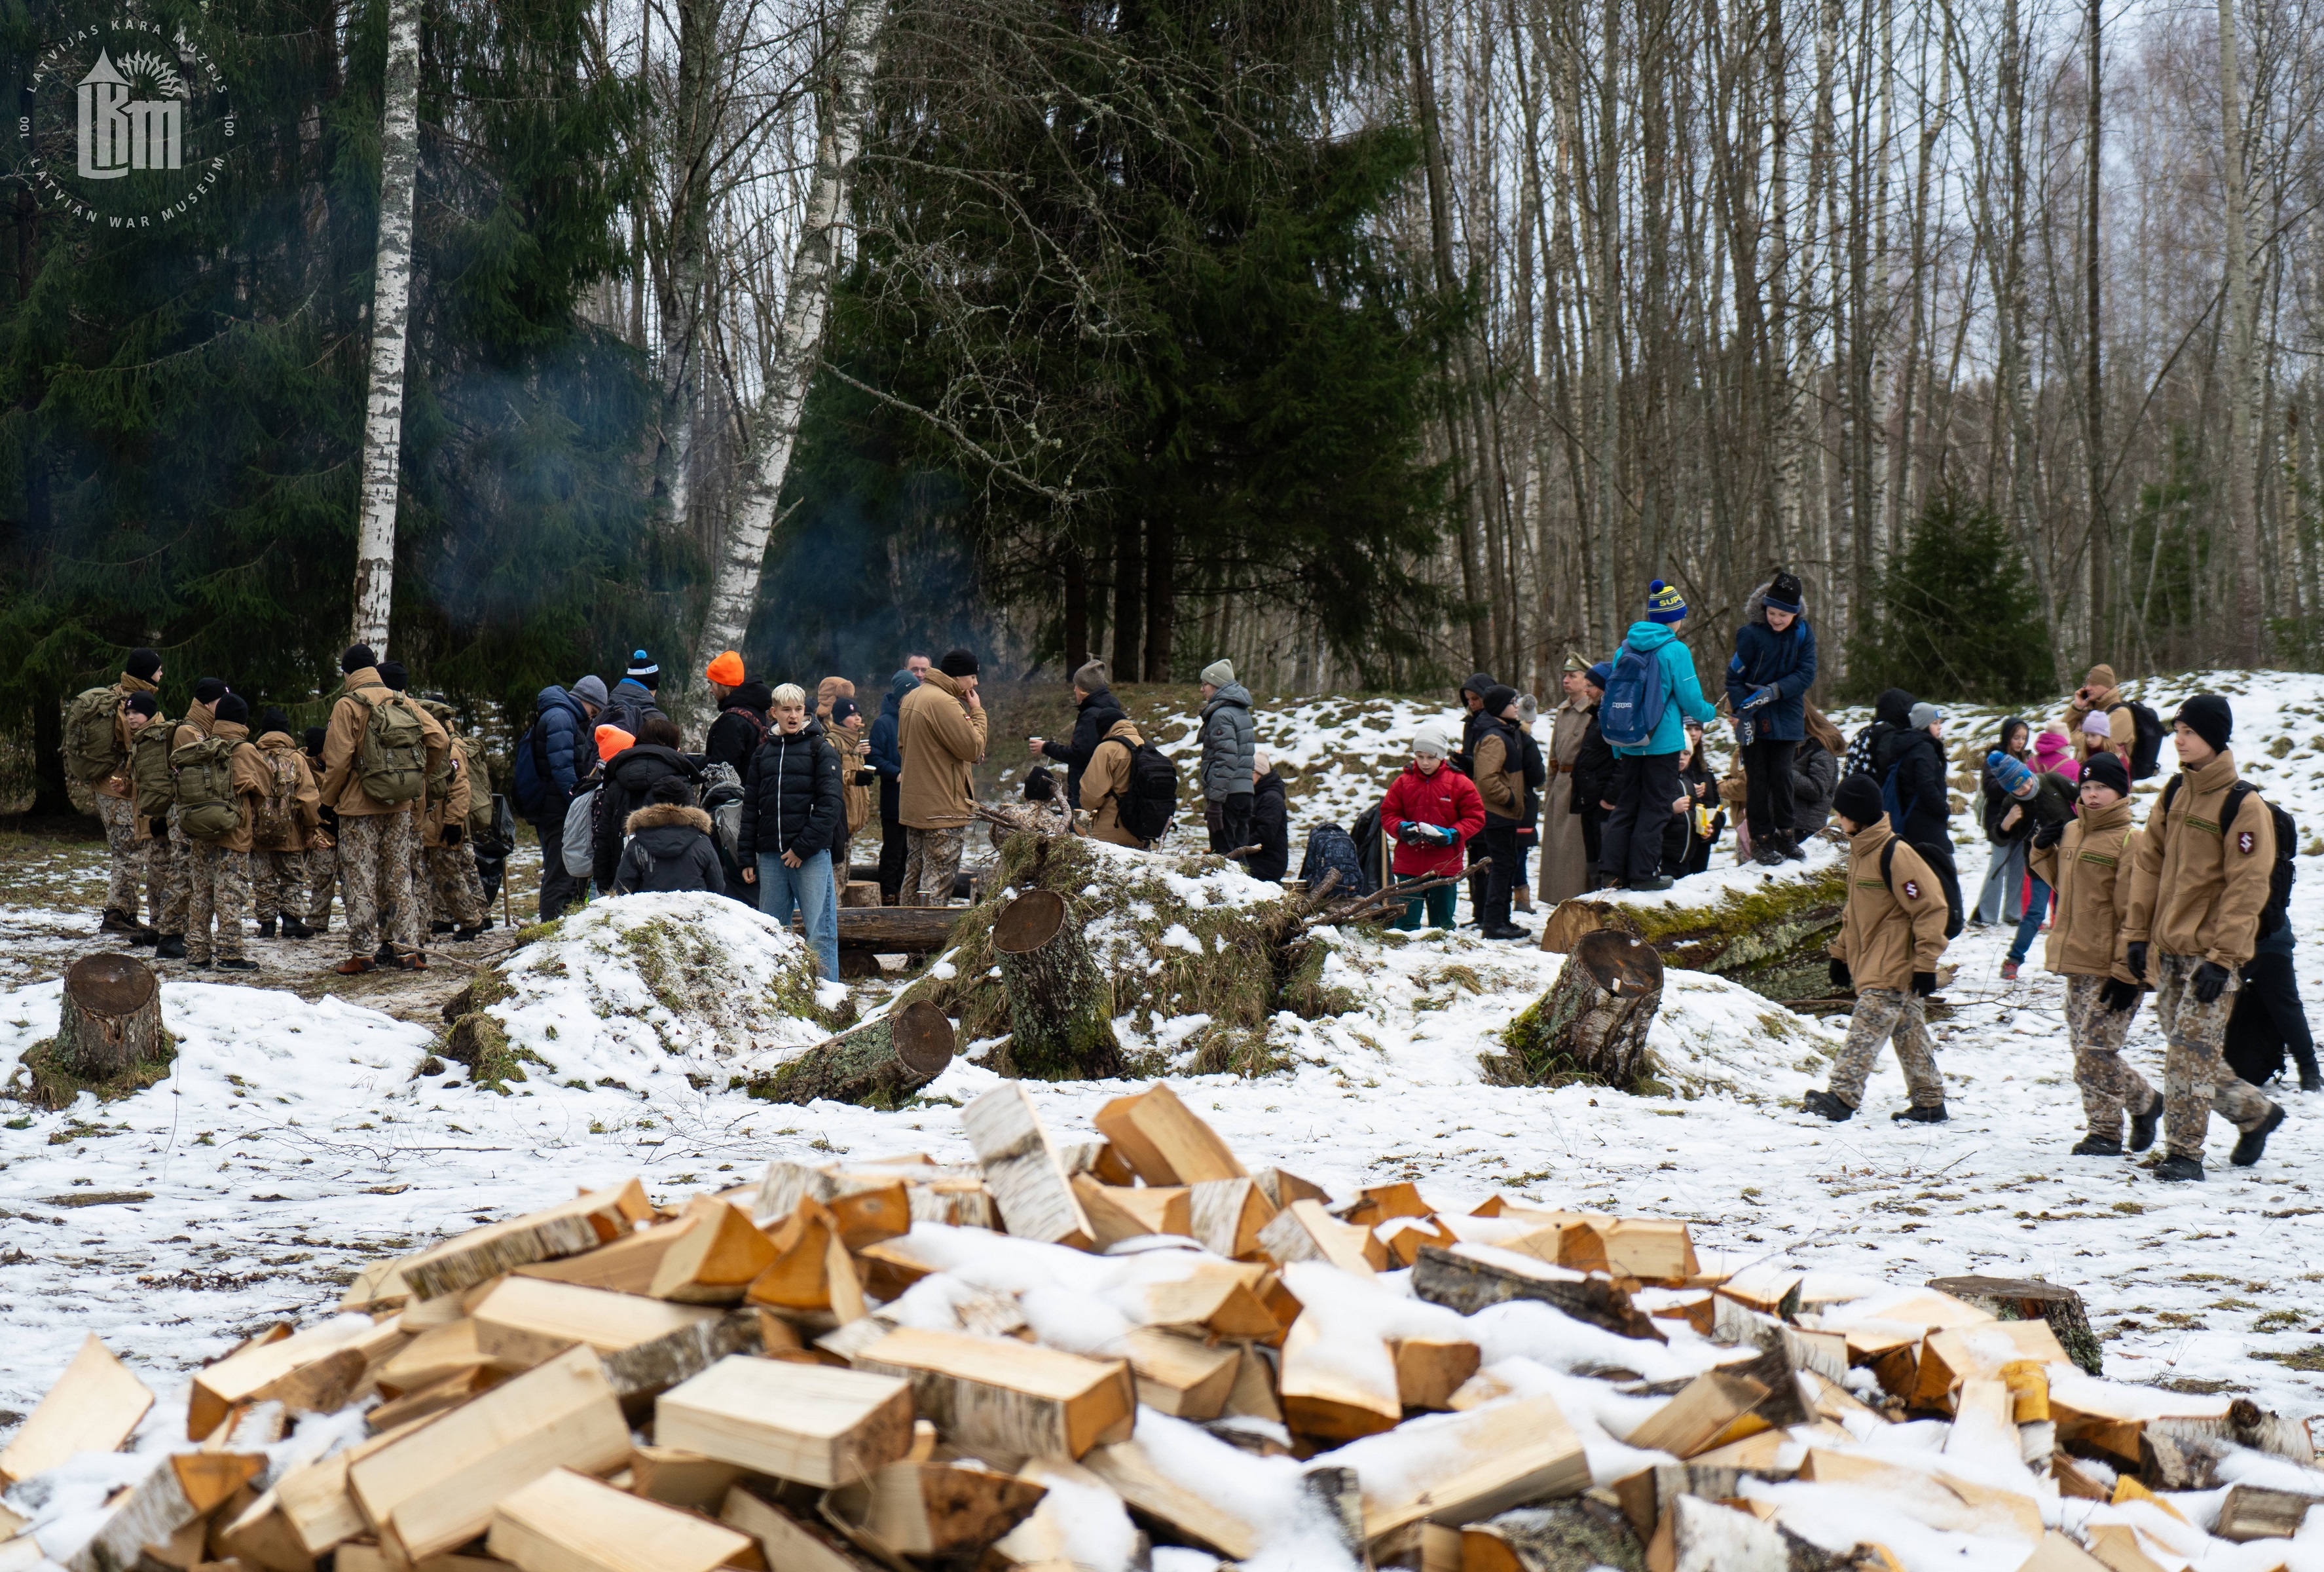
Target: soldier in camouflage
[(378, 842)]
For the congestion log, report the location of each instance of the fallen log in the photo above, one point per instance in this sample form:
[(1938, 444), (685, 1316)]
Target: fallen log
[(1466, 1279), (1777, 916), (1060, 1005), (1592, 1022), (2023, 1299), (876, 1065), (891, 930)]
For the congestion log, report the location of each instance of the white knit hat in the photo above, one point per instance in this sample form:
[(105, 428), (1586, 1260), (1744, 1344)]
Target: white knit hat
[(1219, 673), (2097, 724), (1429, 738)]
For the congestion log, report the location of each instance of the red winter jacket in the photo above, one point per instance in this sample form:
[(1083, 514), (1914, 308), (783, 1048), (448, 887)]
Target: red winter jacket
[(1447, 798)]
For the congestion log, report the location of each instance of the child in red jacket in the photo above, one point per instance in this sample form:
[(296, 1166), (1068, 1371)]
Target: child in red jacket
[(1431, 812)]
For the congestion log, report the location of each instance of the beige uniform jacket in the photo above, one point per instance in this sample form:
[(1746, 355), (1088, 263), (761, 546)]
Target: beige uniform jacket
[(343, 737), (1104, 779), (2196, 885), (2087, 868), (306, 797), (1891, 927), (941, 740)]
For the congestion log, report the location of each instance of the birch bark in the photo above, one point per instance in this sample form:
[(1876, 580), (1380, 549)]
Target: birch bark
[(390, 316)]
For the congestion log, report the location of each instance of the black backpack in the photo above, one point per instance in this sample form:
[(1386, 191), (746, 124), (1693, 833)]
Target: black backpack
[(1955, 920), (2147, 747), (1144, 808), (2277, 911)]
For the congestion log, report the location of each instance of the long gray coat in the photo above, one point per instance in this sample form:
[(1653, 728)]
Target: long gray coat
[(1229, 743)]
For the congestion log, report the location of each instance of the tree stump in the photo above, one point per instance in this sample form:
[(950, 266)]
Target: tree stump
[(109, 1018), (1592, 1022), (2025, 1299), (877, 1064), (1060, 1006)]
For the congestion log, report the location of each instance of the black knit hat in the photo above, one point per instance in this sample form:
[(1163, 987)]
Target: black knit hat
[(1498, 697), (2207, 715), (1857, 801), (958, 664), (143, 704), (313, 741), (2108, 770), (1783, 593), (209, 690), (273, 719), (358, 656), (672, 789), (392, 673), (233, 709), (142, 664)]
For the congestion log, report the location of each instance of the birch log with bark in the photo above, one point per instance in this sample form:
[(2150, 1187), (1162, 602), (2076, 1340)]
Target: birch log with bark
[(796, 353), (390, 316)]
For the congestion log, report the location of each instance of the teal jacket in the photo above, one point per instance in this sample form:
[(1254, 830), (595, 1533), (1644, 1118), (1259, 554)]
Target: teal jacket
[(1685, 699)]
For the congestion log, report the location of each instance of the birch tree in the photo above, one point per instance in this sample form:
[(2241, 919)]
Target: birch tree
[(390, 319)]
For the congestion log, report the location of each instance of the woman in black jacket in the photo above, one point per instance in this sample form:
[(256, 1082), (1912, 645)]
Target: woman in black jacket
[(670, 846), (1593, 769), (631, 776), (792, 814)]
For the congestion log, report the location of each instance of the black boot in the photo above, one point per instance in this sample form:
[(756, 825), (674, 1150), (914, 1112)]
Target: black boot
[(1827, 1104), (1933, 1114), (2142, 1126), (384, 954), (442, 927), (2309, 1081), (117, 921), (2178, 1170), (145, 937), (1788, 843), (466, 934), (2097, 1146), (294, 929), (2253, 1142), (169, 947), (266, 928)]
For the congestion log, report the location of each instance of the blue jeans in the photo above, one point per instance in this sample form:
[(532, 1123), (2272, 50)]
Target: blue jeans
[(2037, 907), (808, 890)]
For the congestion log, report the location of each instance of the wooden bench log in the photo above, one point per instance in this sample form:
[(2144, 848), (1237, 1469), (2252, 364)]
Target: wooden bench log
[(877, 1064)]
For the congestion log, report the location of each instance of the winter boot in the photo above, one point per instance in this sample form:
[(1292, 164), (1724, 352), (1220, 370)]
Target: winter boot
[(1824, 1103), (117, 921), (1788, 843), (466, 934), (2008, 971), (2178, 1170), (197, 965), (2143, 1125), (384, 954), (294, 929), (169, 947), (1652, 881), (441, 927), (1768, 854), (353, 966), (266, 928), (237, 964), (144, 937), (2253, 1142), (2309, 1081), (414, 962), (2097, 1146), (1935, 1114)]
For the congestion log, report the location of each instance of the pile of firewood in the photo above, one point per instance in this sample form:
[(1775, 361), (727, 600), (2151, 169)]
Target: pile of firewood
[(1069, 1354)]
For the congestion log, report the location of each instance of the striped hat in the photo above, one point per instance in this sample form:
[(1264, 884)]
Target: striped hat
[(1663, 604)]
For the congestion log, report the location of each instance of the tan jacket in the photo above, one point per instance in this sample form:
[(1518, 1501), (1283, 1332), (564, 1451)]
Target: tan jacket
[(941, 740), (1104, 779), (117, 784), (1891, 927), (306, 798), (2121, 724), (1499, 776), (452, 807), (2087, 869), (198, 722), (251, 777), (2197, 886), (343, 737), (854, 751)]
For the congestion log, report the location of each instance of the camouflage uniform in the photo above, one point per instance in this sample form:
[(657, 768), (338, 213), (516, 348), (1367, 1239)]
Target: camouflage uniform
[(375, 859), (220, 887), (280, 882), (173, 861), (458, 893), (2110, 1087), (322, 876), (931, 866), (129, 866), (1879, 1014), (2196, 1081)]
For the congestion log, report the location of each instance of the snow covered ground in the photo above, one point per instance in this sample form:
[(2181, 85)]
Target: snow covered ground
[(295, 1139)]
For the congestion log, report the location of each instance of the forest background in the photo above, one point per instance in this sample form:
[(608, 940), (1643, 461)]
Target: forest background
[(1366, 342)]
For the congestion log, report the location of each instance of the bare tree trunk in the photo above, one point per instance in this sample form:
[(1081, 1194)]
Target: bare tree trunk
[(2243, 523), (797, 352), (2101, 544), (1609, 379), (695, 110), (390, 317)]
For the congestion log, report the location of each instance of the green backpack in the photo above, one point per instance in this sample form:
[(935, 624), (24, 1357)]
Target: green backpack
[(207, 808), (92, 748), (152, 786), (391, 759), (480, 792)]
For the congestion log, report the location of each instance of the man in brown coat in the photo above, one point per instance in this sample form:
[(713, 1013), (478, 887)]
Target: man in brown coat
[(1497, 766), (940, 732), (2197, 884), (1892, 932), (2100, 695), (1105, 781), (378, 841), (288, 818), (1565, 862), (218, 879)]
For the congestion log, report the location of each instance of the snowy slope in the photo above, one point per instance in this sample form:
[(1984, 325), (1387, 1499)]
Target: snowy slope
[(294, 1141)]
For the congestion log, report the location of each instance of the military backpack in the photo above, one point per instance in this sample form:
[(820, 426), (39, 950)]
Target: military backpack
[(204, 771), (92, 745), (392, 757)]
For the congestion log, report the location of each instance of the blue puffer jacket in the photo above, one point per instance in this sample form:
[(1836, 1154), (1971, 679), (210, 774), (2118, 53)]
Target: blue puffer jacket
[(563, 726), (1683, 695), (1764, 657), (880, 745)]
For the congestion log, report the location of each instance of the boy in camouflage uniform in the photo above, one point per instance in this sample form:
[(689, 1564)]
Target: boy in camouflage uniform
[(2198, 883), (456, 896), (1891, 934), (378, 842), (218, 871), (322, 845), (130, 860), (287, 818)]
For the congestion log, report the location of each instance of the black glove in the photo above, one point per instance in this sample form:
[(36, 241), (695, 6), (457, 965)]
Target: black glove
[(1841, 977), (451, 835), (2116, 994), (1924, 983), (2135, 954), (158, 828), (2210, 982), (865, 777), (2049, 835)]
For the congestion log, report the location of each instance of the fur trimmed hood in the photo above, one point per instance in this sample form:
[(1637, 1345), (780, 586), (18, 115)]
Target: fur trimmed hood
[(668, 815)]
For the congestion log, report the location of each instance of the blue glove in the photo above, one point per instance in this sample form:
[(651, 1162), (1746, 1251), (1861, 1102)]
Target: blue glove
[(1437, 834), (1760, 696), (1407, 832)]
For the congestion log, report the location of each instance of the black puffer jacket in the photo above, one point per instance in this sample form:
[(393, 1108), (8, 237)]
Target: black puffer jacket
[(631, 776), (791, 800), (1918, 761), (670, 849), (741, 724), (1099, 712), (1270, 830)]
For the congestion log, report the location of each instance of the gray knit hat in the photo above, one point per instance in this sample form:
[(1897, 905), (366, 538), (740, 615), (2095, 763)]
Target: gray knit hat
[(1925, 715), (1219, 673), (1090, 678)]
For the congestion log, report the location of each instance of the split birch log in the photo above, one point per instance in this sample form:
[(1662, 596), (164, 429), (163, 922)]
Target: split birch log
[(1467, 1278), (2021, 1298), (92, 1408), (937, 1509), (877, 1064), (574, 1523), (1166, 1142), (188, 1487), (1060, 1005), (1592, 1022), (587, 1221), (1022, 1169), (109, 1017), (1013, 1397)]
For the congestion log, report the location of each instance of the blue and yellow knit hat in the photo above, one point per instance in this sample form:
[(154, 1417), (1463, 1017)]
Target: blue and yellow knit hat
[(1663, 604)]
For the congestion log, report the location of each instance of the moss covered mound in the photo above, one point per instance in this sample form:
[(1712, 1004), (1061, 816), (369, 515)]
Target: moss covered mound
[(42, 1079), (1731, 923)]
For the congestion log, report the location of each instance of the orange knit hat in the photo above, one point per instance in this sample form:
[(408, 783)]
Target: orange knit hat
[(612, 740), (726, 670)]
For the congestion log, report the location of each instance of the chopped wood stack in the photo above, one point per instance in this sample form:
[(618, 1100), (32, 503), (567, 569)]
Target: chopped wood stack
[(1074, 1350)]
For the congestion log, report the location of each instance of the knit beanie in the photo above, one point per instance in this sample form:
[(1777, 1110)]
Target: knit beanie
[(314, 740), (1429, 738), (1602, 674), (1498, 697), (643, 671), (1783, 593), (672, 789), (841, 708), (1858, 800), (2010, 774), (2101, 676), (273, 719), (392, 673), (1477, 684), (142, 664), (726, 670), (1528, 710), (209, 690), (1664, 603), (957, 663), (2108, 769), (1090, 679), (2207, 715), (1925, 715), (591, 689), (1219, 673), (612, 740), (358, 656), (233, 709), (831, 689), (2097, 724), (143, 704), (755, 695)]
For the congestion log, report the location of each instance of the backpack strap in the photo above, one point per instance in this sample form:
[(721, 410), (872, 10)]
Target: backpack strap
[(1887, 859)]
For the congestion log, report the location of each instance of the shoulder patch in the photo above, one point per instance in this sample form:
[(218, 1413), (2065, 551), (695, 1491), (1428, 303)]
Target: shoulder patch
[(1909, 889), (2101, 862), (2247, 842)]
